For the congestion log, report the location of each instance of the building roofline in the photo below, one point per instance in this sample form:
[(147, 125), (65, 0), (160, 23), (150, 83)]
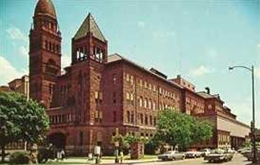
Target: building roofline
[(123, 59)]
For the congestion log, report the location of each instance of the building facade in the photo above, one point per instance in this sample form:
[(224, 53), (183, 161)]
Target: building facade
[(100, 95), (20, 85)]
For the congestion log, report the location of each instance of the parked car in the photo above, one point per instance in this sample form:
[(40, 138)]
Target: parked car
[(171, 155), (193, 154), (249, 155), (243, 150), (205, 152), (219, 155), (230, 150)]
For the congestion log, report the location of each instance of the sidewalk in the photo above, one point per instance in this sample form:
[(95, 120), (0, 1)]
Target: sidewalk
[(78, 161)]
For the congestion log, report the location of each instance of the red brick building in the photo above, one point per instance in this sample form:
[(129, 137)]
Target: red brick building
[(100, 95)]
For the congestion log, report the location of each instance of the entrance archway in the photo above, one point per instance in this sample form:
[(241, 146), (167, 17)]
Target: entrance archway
[(57, 139)]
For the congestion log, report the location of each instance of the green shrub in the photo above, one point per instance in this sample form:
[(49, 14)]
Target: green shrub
[(19, 157)]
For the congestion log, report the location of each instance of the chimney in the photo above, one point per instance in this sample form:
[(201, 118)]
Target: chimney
[(207, 90)]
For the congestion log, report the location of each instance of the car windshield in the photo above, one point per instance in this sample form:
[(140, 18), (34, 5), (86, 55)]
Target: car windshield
[(217, 151)]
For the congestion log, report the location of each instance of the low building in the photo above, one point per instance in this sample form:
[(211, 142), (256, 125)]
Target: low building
[(20, 85)]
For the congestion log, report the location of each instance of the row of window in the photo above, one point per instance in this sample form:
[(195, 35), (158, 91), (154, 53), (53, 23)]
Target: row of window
[(129, 96), (150, 104), (151, 87), (64, 89), (98, 116), (142, 119), (52, 47), (56, 119), (49, 25), (82, 54), (98, 95), (147, 103)]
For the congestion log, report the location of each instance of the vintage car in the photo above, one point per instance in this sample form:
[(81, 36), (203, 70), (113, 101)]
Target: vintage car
[(205, 152), (193, 154), (171, 155), (249, 155), (219, 155), (244, 149)]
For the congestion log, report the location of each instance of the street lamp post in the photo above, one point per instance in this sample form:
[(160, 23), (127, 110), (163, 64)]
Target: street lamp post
[(253, 108)]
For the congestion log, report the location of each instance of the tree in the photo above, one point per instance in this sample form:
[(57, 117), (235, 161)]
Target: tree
[(202, 131), (178, 129), (126, 141), (21, 120)]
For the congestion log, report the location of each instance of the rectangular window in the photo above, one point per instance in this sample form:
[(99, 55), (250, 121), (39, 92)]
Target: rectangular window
[(96, 114), (151, 120), (114, 116), (132, 97), (96, 94), (154, 88), (100, 95), (132, 117), (142, 118), (146, 120), (128, 116), (81, 138), (100, 114), (132, 80), (127, 77), (141, 82), (127, 96)]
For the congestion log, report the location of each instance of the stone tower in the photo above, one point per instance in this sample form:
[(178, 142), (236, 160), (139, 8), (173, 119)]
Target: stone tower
[(45, 52)]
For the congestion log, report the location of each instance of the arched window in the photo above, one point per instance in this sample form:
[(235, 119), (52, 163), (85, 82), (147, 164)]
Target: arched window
[(141, 101), (145, 102), (150, 104), (154, 106)]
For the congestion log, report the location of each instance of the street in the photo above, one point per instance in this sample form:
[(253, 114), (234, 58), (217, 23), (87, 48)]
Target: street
[(238, 159)]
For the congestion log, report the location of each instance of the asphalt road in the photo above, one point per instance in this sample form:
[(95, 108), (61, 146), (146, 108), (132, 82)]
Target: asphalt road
[(238, 159)]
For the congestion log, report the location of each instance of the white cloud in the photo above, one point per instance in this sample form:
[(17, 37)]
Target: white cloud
[(23, 50), (200, 71), (258, 45), (16, 34), (9, 72), (20, 40), (65, 60), (141, 24), (163, 34)]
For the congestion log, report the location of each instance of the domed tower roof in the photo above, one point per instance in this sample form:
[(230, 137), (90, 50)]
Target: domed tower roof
[(45, 7)]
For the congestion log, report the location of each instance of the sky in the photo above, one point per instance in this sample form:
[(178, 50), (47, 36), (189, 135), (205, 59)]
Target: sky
[(198, 39)]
